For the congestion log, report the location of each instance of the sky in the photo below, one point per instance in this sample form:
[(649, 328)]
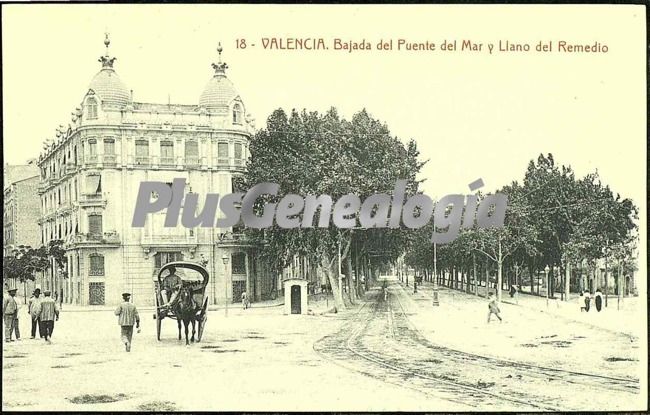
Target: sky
[(473, 114)]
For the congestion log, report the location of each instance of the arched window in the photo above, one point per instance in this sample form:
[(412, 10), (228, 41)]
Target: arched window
[(236, 114), (91, 108)]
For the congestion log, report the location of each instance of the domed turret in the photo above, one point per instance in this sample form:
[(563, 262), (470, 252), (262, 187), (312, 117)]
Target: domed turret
[(107, 85), (219, 92)]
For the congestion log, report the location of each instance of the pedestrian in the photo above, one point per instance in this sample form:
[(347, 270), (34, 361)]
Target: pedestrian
[(513, 290), (10, 315), (598, 299), (48, 311), (244, 300), (32, 309), (493, 308), (581, 301), (127, 316), (587, 301)]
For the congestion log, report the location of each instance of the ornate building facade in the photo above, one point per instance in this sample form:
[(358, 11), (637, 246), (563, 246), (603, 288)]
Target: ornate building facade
[(90, 176)]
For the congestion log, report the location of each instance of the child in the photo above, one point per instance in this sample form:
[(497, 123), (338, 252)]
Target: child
[(493, 307)]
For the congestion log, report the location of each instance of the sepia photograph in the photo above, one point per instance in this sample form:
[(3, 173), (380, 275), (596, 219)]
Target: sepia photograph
[(385, 208)]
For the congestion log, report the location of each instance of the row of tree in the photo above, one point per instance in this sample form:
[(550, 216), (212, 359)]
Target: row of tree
[(553, 220), (24, 262)]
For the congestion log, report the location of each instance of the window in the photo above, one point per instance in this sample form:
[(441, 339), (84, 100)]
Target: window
[(236, 114), (91, 108), (162, 258), (109, 146), (222, 152), (96, 265), (166, 152), (92, 147), (141, 152), (238, 151), (192, 152), (238, 261), (95, 225), (94, 184)]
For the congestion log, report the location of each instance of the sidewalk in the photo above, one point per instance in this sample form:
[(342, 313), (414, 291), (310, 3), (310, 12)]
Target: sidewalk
[(527, 334), (624, 320)]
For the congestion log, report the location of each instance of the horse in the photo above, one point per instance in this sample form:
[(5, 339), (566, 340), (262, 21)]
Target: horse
[(185, 311)]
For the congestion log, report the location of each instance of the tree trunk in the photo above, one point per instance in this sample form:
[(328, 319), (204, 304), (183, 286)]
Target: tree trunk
[(567, 281), (348, 266), (329, 267), (475, 278)]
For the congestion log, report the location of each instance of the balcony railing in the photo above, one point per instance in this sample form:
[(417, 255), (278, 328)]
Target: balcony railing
[(167, 161), (110, 238), (90, 159), (229, 163), (142, 160), (192, 161), (109, 159), (70, 168)]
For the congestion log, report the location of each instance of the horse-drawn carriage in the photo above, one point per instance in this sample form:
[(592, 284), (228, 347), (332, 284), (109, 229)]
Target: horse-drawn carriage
[(179, 291)]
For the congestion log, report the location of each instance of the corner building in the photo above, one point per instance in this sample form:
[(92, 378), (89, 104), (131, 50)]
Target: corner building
[(89, 181)]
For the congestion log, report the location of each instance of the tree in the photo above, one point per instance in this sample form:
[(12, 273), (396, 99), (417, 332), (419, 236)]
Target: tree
[(23, 263), (308, 153)]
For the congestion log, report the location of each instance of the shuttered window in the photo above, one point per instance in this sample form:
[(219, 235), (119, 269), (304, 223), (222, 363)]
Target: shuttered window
[(95, 224)]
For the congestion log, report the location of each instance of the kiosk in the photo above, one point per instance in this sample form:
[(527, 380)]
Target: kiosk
[(295, 296)]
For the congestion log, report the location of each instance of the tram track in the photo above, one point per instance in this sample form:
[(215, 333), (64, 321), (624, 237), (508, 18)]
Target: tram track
[(618, 383), (391, 349)]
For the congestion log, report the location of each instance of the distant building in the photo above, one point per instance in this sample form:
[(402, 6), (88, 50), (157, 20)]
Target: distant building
[(21, 207), (90, 176), (21, 212)]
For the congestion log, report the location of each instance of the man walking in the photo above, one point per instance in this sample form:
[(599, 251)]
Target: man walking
[(10, 314), (33, 308), (48, 311), (493, 307), (127, 316)]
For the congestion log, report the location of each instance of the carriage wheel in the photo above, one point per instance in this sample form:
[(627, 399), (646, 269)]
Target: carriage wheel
[(203, 317), (158, 324)]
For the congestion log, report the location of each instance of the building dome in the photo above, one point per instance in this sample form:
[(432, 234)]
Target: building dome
[(107, 85), (110, 89), (219, 92)]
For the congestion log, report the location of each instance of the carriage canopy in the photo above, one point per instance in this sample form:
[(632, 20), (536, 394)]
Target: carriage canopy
[(189, 272)]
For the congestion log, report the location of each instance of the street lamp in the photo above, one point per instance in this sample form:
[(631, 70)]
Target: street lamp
[(546, 269), (225, 258)]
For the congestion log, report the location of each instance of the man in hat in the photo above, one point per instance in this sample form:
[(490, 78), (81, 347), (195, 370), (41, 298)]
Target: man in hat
[(10, 314), (171, 287), (48, 311), (33, 307), (127, 316)]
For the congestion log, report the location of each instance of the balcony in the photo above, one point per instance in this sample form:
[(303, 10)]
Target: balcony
[(91, 160), (192, 162), (167, 161), (233, 164), (233, 239), (111, 238), (109, 160), (142, 160), (92, 199), (70, 169)]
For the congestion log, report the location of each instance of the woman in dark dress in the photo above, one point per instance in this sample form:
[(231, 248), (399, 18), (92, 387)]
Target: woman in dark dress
[(599, 300)]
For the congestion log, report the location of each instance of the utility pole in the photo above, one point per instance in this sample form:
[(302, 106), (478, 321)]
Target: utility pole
[(436, 301)]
